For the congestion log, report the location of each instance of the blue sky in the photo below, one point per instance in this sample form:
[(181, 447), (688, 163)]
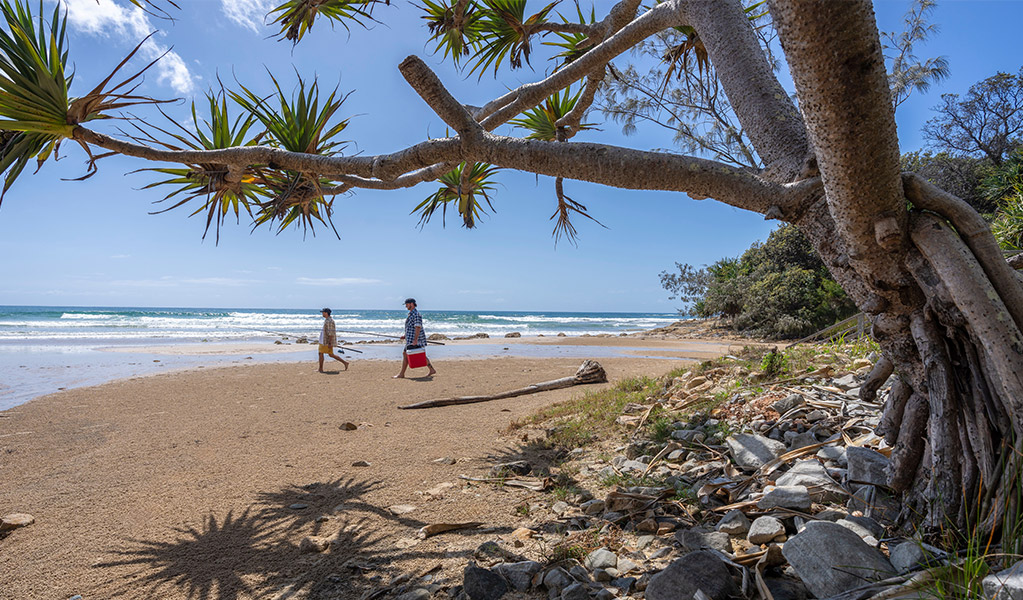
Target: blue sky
[(93, 243)]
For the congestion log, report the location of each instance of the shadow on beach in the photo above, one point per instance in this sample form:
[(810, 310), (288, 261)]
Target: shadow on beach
[(257, 553)]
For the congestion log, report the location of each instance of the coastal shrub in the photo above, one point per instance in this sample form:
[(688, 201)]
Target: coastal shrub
[(777, 289)]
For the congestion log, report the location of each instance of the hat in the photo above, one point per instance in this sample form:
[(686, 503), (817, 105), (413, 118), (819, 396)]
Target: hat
[(326, 310), (412, 300)]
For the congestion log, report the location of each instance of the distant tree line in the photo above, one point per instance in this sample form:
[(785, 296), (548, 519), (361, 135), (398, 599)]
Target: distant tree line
[(781, 289)]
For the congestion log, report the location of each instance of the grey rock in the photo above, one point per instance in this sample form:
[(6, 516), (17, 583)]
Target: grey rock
[(514, 334), (786, 589), (624, 583), (787, 403), (867, 525), (519, 574), (632, 466), (576, 591), (831, 559), (560, 507), (816, 415), (874, 503), (859, 530), (764, 530), (416, 594), (661, 553), (483, 584), (678, 455), (791, 496), (753, 451), (846, 382), (698, 539), (298, 506), (866, 466), (802, 440), (907, 556), (579, 572), (557, 579), (605, 594), (814, 477), (602, 575), (601, 558), (835, 454), (626, 565), (735, 522), (593, 507), (702, 570), (1005, 585), (445, 460)]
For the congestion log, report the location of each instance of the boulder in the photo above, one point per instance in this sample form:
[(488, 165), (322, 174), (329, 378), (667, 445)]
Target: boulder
[(702, 570), (483, 584), (831, 559), (814, 477), (519, 574), (698, 539), (16, 520), (866, 466), (735, 522), (764, 530), (753, 451), (557, 579), (514, 334), (1005, 585), (576, 591), (907, 556), (601, 558), (790, 496)]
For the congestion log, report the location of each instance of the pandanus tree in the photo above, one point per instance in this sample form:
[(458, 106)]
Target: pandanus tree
[(946, 308)]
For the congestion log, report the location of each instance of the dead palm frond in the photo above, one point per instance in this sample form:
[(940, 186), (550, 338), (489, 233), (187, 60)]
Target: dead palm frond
[(566, 206)]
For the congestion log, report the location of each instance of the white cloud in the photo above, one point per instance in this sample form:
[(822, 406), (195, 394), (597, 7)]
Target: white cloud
[(336, 281), (107, 18), (249, 14)]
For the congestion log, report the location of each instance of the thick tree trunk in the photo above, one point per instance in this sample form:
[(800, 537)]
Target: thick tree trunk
[(947, 309)]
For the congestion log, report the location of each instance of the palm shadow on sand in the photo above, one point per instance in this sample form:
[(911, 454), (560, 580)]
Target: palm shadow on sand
[(257, 554)]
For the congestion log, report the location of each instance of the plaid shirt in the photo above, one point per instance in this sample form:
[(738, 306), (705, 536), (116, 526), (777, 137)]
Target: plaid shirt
[(411, 322), (328, 337)]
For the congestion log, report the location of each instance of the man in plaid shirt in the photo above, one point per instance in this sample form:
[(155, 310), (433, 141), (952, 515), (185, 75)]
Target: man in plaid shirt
[(414, 337), (328, 339)]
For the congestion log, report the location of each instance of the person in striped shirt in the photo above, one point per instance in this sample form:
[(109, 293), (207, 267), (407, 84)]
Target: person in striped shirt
[(414, 337), (328, 339)]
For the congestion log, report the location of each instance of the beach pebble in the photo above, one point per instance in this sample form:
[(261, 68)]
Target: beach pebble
[(313, 543), (401, 509), (445, 460), (16, 520), (298, 506), (360, 463), (348, 426)]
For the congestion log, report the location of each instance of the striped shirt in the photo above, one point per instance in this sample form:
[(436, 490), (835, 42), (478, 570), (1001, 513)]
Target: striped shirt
[(411, 322)]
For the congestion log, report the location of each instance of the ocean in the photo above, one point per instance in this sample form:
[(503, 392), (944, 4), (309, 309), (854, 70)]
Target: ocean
[(44, 349)]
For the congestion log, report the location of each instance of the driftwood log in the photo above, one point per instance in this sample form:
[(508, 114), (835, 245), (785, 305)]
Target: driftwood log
[(589, 372)]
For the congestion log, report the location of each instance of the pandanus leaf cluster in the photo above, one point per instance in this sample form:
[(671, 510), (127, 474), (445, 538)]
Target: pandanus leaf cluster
[(37, 110), (296, 17), (466, 188)]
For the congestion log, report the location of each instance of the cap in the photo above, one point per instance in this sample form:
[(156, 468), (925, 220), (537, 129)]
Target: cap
[(326, 310), (412, 300)]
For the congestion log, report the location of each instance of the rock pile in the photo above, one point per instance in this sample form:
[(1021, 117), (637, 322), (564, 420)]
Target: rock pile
[(774, 491)]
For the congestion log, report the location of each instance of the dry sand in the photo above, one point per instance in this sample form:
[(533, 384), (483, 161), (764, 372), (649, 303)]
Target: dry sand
[(179, 485)]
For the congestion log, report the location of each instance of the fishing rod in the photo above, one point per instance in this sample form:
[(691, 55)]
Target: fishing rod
[(393, 337), (296, 337)]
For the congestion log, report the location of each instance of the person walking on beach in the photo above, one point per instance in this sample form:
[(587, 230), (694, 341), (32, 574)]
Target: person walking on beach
[(328, 339), (414, 337)]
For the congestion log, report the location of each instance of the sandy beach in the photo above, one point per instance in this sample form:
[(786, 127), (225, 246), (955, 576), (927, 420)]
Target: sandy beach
[(202, 484)]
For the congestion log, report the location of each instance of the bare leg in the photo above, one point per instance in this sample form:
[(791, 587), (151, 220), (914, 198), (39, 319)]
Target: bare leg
[(321, 361), (432, 370), (404, 366), (338, 358)]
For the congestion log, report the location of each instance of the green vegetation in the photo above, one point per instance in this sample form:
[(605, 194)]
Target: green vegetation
[(580, 421), (778, 289)]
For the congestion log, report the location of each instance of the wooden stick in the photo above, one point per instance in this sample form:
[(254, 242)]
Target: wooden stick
[(589, 372)]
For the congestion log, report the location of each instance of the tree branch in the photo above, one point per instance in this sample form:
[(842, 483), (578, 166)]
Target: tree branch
[(768, 116)]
